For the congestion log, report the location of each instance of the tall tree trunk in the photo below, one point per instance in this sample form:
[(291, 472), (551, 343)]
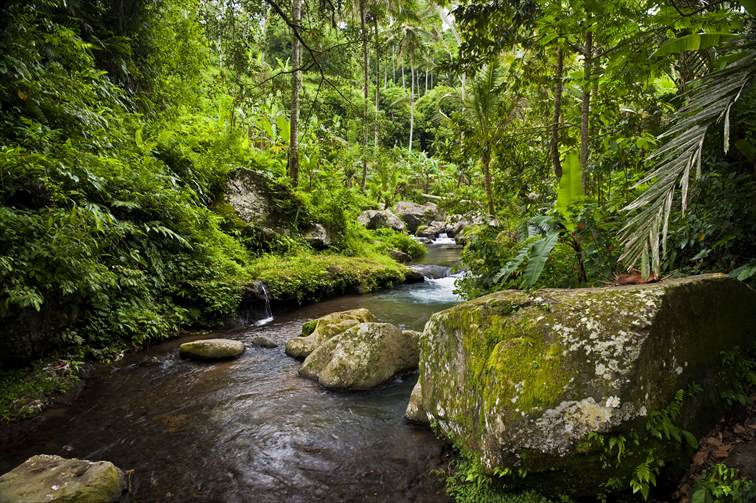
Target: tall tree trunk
[(412, 99), (487, 181), (296, 17), (404, 84), (393, 64), (426, 82), (558, 87), (586, 105), (365, 91), (377, 80)]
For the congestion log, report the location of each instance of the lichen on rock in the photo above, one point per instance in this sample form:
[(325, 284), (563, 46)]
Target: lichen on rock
[(55, 479), (361, 357), (316, 332), (521, 379)]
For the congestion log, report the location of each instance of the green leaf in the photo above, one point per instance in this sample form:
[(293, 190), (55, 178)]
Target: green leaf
[(750, 6), (537, 260), (692, 42)]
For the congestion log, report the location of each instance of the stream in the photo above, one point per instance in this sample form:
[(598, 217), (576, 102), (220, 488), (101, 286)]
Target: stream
[(251, 429)]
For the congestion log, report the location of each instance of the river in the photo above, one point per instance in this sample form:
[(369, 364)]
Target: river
[(251, 430)]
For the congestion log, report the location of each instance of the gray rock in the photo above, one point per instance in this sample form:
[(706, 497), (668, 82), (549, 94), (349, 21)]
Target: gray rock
[(380, 219), (52, 479), (362, 357), (318, 237), (211, 349), (246, 192), (432, 230), (526, 379), (263, 342), (323, 329), (415, 215), (415, 411)]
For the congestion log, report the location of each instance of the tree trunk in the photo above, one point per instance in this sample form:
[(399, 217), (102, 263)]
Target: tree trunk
[(404, 84), (296, 17), (586, 105), (365, 91), (487, 181), (426, 82), (412, 99), (377, 80), (558, 87)]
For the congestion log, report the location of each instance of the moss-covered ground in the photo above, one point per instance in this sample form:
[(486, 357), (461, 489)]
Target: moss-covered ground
[(307, 278)]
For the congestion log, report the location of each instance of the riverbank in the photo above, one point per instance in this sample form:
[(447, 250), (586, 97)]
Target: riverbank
[(263, 430), (308, 278), (291, 281)]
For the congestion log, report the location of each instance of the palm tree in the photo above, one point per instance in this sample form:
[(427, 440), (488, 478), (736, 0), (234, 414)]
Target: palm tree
[(412, 38), (709, 100), (487, 114)]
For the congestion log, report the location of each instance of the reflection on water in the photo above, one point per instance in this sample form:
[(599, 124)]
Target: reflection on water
[(251, 429)]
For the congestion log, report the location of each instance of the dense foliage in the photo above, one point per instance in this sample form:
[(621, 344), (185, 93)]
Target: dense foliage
[(584, 139)]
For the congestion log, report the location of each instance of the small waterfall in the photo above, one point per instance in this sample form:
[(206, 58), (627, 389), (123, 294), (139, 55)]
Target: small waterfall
[(443, 239), (268, 313)]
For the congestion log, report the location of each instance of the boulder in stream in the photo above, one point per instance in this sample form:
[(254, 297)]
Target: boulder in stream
[(543, 381), (53, 479), (316, 332), (415, 411), (263, 342), (361, 357), (212, 349)]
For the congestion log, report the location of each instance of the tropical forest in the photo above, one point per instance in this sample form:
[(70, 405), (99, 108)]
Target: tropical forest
[(473, 251)]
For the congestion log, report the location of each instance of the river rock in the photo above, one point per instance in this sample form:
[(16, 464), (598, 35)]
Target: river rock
[(432, 230), (528, 380), (415, 215), (361, 357), (415, 411), (315, 334), (47, 478), (263, 342), (400, 256), (380, 219), (211, 349)]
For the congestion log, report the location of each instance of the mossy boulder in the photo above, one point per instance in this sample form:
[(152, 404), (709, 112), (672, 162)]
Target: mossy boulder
[(535, 380), (47, 478), (362, 357), (212, 349), (316, 332)]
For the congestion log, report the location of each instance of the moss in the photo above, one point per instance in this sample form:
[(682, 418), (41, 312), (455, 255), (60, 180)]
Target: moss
[(306, 278), (26, 392), (309, 327)]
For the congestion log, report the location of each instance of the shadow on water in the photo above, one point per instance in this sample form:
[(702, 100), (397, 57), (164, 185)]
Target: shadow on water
[(251, 429)]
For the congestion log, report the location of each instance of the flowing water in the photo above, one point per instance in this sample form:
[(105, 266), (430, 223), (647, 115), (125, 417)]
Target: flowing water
[(251, 430)]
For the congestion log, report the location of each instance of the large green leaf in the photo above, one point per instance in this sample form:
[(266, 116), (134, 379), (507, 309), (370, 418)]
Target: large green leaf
[(570, 190), (692, 42), (537, 260)]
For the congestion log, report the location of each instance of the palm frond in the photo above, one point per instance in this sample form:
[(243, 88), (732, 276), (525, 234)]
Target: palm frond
[(709, 101)]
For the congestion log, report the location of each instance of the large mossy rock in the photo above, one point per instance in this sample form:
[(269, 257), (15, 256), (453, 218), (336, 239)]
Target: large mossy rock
[(415, 215), (212, 349), (46, 478), (316, 332), (536, 380), (362, 357)]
